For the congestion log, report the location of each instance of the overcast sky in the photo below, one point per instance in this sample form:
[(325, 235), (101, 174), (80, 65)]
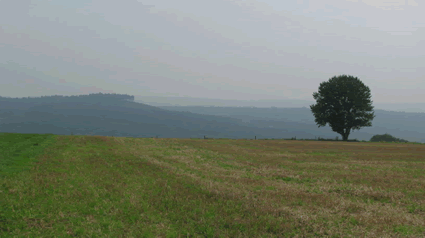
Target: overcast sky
[(227, 49)]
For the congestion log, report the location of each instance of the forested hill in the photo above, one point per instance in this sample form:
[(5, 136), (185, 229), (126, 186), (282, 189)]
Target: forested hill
[(119, 115), (114, 115), (91, 98)]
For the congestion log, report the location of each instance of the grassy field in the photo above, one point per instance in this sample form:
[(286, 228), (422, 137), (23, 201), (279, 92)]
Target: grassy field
[(93, 186)]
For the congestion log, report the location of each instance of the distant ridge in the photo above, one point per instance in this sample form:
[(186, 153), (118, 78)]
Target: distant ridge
[(118, 115), (188, 101), (266, 103)]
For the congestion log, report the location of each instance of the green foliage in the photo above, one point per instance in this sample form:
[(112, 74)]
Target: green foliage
[(386, 138), (344, 103)]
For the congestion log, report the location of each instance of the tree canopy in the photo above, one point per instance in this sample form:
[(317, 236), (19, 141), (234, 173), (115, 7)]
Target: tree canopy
[(344, 103)]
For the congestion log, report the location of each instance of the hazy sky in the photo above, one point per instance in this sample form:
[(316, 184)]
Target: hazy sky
[(227, 49)]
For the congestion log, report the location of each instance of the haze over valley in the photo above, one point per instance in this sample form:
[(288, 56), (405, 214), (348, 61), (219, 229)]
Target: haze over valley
[(179, 55)]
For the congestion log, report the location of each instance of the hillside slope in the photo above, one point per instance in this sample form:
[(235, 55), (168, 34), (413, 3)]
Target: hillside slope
[(114, 116), (119, 115)]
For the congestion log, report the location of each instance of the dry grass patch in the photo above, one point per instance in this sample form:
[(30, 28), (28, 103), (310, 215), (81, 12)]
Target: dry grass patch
[(374, 199)]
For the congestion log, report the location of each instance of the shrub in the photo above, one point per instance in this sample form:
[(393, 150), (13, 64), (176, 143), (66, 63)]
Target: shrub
[(386, 138)]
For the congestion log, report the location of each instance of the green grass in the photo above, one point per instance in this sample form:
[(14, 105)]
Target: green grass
[(93, 186), (17, 151)]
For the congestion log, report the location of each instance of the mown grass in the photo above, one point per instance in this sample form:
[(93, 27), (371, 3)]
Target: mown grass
[(95, 186)]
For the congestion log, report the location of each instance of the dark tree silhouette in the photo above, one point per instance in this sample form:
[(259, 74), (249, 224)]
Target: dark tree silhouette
[(387, 138), (343, 102)]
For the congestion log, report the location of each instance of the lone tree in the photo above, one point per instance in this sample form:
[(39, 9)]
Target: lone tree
[(343, 102)]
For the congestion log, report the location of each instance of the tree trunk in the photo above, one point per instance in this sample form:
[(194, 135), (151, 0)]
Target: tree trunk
[(346, 134)]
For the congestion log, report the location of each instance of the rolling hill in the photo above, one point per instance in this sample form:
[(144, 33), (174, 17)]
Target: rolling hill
[(119, 115)]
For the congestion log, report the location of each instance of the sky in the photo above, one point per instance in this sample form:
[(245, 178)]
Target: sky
[(221, 49)]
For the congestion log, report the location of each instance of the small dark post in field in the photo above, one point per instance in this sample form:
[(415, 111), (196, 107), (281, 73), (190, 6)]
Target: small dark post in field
[(255, 137)]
